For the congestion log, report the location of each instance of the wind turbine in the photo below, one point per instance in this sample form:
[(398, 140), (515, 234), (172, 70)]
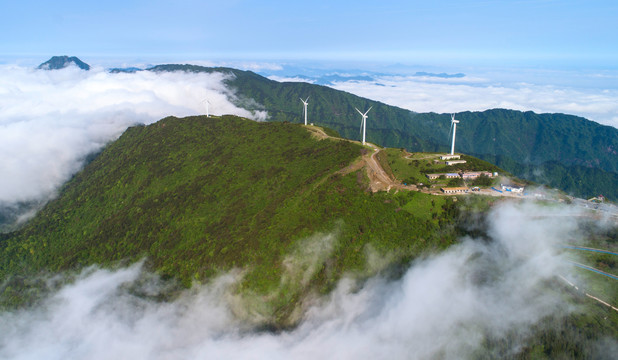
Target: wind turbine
[(305, 103), (207, 103), (454, 125), (364, 122)]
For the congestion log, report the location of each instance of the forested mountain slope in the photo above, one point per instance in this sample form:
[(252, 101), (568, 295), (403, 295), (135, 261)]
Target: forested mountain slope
[(285, 212), (200, 196), (559, 150)]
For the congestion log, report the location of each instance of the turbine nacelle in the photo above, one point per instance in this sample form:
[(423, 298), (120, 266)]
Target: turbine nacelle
[(365, 114)]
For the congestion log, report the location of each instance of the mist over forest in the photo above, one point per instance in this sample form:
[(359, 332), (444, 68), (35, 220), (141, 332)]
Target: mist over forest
[(503, 281), (444, 305)]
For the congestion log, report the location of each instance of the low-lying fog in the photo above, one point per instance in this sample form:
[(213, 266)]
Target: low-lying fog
[(51, 120), (442, 307)]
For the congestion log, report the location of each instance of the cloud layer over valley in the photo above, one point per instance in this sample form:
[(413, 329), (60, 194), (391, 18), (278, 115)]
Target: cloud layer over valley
[(590, 95), (442, 306), (51, 120)]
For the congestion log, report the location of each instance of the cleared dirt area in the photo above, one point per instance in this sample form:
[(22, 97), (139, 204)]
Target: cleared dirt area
[(379, 179)]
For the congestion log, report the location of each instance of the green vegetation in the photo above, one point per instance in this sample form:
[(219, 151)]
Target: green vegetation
[(410, 168), (574, 154), (196, 197), (585, 332), (598, 285), (330, 132), (455, 182), (483, 180), (199, 196)]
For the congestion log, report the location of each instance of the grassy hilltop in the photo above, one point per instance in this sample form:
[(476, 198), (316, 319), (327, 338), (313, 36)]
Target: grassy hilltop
[(199, 196)]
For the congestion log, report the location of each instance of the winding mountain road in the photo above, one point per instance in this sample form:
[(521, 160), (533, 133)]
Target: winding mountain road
[(379, 179)]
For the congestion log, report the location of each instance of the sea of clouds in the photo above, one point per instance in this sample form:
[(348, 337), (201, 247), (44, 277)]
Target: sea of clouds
[(443, 306), (590, 95), (51, 120)]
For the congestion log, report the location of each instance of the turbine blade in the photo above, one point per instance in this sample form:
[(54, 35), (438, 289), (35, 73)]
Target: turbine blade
[(368, 110), (359, 112)]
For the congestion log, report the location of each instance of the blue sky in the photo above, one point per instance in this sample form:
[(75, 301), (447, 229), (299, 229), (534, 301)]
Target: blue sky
[(539, 55), (559, 33)]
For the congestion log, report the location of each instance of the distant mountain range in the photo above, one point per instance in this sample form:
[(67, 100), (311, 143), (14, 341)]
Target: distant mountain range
[(60, 62), (440, 75), (125, 70), (331, 79)]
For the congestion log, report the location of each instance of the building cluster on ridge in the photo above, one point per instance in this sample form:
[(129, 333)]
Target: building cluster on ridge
[(466, 175), (449, 159)]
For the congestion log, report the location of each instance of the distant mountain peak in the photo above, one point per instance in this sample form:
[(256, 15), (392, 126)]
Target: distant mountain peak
[(60, 62)]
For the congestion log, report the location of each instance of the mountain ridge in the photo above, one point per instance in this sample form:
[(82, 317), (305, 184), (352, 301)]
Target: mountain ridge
[(61, 62), (515, 140)]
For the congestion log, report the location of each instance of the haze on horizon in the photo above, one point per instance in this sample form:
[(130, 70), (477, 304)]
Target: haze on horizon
[(562, 49)]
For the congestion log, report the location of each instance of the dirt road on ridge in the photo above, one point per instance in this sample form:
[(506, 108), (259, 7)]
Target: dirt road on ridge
[(379, 180)]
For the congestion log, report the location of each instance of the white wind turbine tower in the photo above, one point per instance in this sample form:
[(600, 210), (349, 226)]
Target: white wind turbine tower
[(364, 122), (454, 125), (305, 103), (207, 103)]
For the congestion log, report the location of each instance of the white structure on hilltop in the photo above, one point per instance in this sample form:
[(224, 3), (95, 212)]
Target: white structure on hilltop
[(207, 103), (449, 157), (512, 188), (454, 125), (364, 122), (305, 103)]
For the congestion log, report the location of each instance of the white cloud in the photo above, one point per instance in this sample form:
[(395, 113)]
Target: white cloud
[(239, 64), (441, 307), (291, 79), (50, 120), (478, 93)]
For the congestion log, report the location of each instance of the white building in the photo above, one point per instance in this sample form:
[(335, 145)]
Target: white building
[(453, 162), (511, 188), (449, 157), (455, 190)]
